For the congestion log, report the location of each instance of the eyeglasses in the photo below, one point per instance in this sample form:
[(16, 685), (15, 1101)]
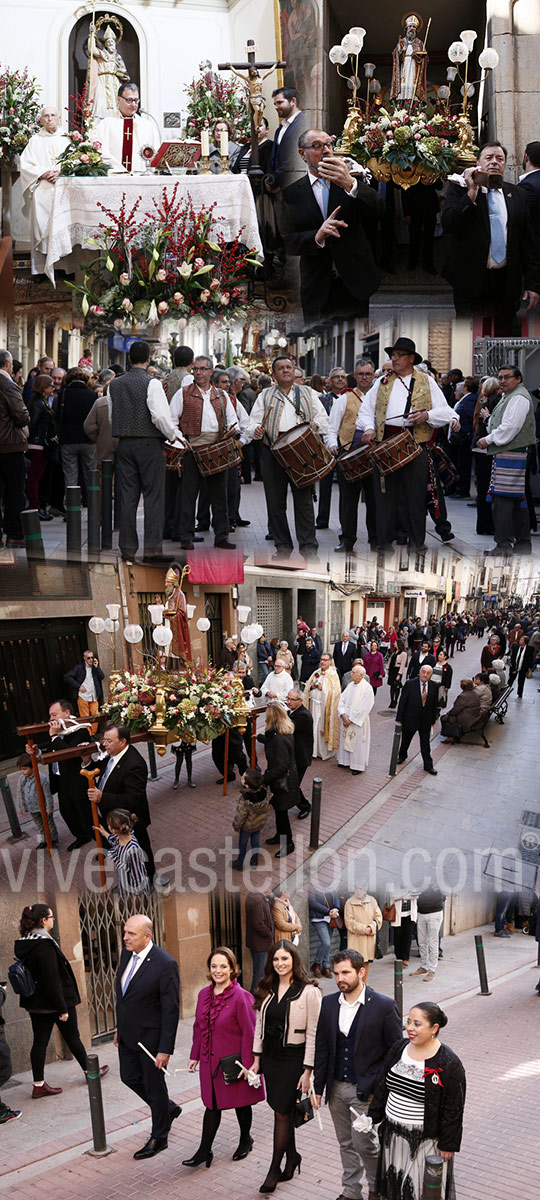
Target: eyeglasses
[(319, 146)]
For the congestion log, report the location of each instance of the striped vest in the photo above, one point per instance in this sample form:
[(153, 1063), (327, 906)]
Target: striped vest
[(421, 398), (273, 400)]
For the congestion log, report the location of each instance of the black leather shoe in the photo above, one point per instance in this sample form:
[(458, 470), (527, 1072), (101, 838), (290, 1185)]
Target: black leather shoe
[(153, 1147), (225, 544), (273, 841), (198, 1158), (431, 771), (175, 1112), (402, 758), (186, 545), (343, 549), (197, 539), (76, 845), (304, 812), (243, 1149), (202, 528), (241, 524), (155, 560), (284, 853)]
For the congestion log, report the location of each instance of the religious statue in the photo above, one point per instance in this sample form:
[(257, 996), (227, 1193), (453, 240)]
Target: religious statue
[(107, 69), (409, 62), (254, 80), (175, 611)]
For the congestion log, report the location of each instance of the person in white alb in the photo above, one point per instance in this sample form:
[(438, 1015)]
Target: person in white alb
[(204, 415), (276, 410), (39, 171), (403, 398), (321, 697), (277, 684), (124, 135), (354, 708)]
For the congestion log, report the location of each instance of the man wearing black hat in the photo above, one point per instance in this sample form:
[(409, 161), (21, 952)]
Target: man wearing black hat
[(403, 398)]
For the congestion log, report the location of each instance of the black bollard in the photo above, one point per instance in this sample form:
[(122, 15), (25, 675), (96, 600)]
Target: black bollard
[(73, 522), (395, 748), (17, 834), (33, 538), (481, 960), (398, 986), (152, 760), (106, 503), (100, 1148), (315, 814), (433, 1175), (94, 500)]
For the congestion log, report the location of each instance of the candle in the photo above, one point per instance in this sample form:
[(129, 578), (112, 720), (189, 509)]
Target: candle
[(205, 143), (224, 143)]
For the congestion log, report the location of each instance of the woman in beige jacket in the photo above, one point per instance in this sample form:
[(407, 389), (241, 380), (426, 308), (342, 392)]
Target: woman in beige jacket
[(363, 918), (286, 922), (288, 1003)]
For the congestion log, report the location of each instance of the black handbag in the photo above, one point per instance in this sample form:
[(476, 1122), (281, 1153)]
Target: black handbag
[(302, 1111), (230, 1068)]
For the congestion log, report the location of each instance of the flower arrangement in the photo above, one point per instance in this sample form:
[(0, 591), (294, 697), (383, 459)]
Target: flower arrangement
[(198, 702), (408, 138), (210, 97), (171, 262), (19, 112), (83, 155)]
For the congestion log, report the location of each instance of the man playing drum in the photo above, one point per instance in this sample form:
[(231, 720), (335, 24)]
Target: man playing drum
[(277, 410), (205, 414), (342, 434), (403, 398)]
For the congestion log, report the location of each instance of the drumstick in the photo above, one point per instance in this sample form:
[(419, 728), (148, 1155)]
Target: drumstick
[(153, 1057)]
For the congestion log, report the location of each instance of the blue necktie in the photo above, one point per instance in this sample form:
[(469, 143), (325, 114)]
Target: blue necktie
[(106, 772), (498, 240), (324, 192), (132, 966)]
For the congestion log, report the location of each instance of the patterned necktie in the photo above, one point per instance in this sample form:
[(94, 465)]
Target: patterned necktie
[(132, 967), (498, 240), (424, 693)]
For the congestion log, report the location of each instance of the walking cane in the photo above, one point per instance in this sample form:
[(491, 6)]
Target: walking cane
[(90, 776)]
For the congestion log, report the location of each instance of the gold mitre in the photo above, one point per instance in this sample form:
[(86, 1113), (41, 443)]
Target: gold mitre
[(109, 33), (412, 18), (172, 577)]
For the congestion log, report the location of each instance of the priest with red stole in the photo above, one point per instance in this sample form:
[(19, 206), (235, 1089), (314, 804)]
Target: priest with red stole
[(124, 135)]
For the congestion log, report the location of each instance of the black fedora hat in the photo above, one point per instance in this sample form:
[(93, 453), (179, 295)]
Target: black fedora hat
[(407, 346)]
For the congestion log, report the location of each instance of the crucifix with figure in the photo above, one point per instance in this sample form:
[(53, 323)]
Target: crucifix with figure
[(256, 99)]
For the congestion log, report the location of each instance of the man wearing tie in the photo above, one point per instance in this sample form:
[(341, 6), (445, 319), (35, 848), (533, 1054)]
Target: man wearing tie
[(344, 655), (492, 261), (122, 784), (417, 712), (147, 1011)]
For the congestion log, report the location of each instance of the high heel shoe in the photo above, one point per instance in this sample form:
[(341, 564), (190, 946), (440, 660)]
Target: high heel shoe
[(244, 1147), (267, 1188), (198, 1158), (291, 1168)]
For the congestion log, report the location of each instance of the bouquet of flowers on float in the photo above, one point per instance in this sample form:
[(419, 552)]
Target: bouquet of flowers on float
[(202, 706), (210, 97), (132, 699), (19, 113), (408, 138), (171, 262), (83, 155)]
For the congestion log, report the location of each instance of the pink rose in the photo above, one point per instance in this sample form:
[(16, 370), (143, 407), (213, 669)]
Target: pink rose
[(225, 298), (127, 304), (161, 275), (178, 298), (96, 145), (235, 292), (124, 278), (214, 285), (205, 296), (163, 307), (96, 310), (85, 158), (199, 262), (76, 136)]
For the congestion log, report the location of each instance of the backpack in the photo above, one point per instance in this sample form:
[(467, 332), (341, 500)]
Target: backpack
[(20, 979)]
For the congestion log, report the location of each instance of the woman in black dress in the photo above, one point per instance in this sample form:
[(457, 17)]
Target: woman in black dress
[(288, 1003), (280, 775)]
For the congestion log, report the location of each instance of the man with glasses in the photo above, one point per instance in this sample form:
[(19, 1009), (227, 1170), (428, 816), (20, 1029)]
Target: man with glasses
[(341, 438), (511, 430), (124, 135), (204, 414), (324, 217)]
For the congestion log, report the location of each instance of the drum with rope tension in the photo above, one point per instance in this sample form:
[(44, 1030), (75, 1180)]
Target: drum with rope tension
[(303, 455)]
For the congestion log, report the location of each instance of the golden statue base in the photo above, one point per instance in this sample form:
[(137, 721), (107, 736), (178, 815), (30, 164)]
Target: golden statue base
[(404, 177)]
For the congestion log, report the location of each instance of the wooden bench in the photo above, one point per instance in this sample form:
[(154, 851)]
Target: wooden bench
[(497, 710)]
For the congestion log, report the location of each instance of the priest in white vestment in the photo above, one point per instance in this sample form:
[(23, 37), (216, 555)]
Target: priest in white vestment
[(321, 697), (40, 170), (277, 684), (354, 708), (124, 135)]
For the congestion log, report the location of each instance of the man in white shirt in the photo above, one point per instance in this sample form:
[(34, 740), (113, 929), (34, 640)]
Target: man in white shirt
[(204, 415), (277, 684), (342, 437), (276, 410), (124, 135), (511, 430), (403, 398)]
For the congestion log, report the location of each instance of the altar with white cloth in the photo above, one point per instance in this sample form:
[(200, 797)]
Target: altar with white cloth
[(74, 217)]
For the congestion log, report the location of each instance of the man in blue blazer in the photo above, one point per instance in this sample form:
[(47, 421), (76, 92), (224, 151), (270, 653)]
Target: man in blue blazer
[(147, 1011), (356, 1029)]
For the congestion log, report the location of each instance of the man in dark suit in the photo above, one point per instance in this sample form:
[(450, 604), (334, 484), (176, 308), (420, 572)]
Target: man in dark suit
[(421, 657), (522, 657), (530, 182), (65, 778), (122, 784), (344, 655), (303, 743), (323, 218), (284, 154), (355, 1031), (147, 1011), (492, 260), (417, 712)]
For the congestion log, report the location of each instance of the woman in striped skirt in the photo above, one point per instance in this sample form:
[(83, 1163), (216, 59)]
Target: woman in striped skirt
[(419, 1102)]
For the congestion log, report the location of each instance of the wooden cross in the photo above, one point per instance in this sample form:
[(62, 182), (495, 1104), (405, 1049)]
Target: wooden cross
[(252, 67)]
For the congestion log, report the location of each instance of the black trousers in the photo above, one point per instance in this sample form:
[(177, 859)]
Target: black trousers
[(510, 522), (42, 1027), (217, 492), (325, 500), (139, 1073), (173, 502), (421, 235), (349, 498), (234, 491), (402, 505), (425, 747), (141, 833), (403, 939), (141, 469), (492, 300), (484, 514), (236, 756), (75, 811), (12, 489), (276, 483), (303, 803)]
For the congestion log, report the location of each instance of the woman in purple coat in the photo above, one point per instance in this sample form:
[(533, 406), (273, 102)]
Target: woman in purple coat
[(374, 665), (224, 1026)]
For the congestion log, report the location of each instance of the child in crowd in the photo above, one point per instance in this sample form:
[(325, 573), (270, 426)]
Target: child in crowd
[(251, 814), (128, 857), (28, 801)]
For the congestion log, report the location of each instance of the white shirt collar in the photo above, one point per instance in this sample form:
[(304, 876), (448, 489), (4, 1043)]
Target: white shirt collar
[(116, 757), (361, 999), (527, 173)]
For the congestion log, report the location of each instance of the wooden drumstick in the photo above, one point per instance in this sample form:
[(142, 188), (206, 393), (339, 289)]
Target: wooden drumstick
[(90, 776)]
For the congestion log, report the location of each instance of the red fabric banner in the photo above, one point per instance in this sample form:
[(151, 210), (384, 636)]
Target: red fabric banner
[(215, 566)]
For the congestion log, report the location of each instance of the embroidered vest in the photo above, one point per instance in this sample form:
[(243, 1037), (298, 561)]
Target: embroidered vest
[(191, 419), (273, 400), (348, 423), (527, 434), (421, 398)]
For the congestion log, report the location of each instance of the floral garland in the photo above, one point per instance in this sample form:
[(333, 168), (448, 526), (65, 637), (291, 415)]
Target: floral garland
[(19, 112), (210, 97), (173, 262), (198, 702), (407, 138)]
